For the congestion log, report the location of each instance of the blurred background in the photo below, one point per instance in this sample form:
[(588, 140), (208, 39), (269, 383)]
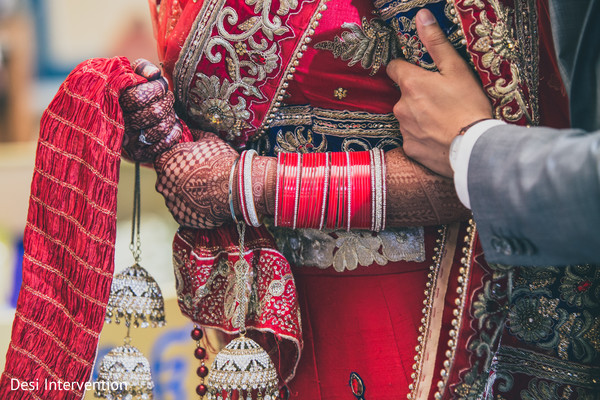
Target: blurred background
[(40, 43)]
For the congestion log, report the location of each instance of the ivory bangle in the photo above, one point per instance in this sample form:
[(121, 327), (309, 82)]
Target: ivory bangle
[(248, 195)]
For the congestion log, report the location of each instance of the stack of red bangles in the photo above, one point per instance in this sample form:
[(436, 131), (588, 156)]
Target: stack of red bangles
[(330, 190)]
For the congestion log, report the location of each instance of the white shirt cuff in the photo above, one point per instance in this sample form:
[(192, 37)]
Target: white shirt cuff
[(460, 153)]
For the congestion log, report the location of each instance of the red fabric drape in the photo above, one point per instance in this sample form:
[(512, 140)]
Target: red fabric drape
[(70, 235)]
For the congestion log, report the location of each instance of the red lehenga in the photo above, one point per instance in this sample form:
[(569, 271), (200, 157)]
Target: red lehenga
[(412, 312), (408, 312)]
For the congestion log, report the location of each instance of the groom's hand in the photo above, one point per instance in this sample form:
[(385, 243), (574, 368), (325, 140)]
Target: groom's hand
[(434, 106)]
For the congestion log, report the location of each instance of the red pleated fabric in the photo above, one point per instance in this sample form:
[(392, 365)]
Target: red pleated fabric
[(70, 235)]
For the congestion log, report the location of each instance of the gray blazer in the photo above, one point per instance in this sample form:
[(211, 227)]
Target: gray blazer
[(535, 192)]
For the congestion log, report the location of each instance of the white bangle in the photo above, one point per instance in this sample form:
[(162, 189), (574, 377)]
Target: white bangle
[(325, 191), (378, 191), (383, 191), (230, 192), (248, 195)]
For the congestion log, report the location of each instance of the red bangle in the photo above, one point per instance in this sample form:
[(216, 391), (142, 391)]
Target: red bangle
[(318, 190), (284, 215), (340, 207), (313, 193), (278, 189), (354, 188), (305, 185), (349, 188), (332, 193), (297, 189), (290, 199)]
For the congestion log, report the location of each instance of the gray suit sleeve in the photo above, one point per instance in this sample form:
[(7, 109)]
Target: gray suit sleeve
[(535, 195)]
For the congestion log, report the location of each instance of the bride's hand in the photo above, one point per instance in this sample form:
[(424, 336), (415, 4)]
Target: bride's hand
[(193, 177), (151, 126)]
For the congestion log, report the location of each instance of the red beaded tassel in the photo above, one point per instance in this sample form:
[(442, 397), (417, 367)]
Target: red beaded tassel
[(200, 354)]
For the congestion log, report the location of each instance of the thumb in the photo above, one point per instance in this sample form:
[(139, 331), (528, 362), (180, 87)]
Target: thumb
[(146, 69), (401, 71), (442, 52)]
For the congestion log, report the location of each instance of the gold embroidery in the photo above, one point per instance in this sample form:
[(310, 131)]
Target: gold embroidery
[(295, 142), (511, 38), (340, 93), (495, 40), (506, 92), (400, 6), (462, 292), (373, 44), (432, 276), (593, 334), (290, 69), (338, 123), (478, 3), (215, 109)]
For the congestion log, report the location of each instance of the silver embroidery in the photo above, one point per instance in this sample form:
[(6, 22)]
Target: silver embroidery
[(249, 57), (347, 250)]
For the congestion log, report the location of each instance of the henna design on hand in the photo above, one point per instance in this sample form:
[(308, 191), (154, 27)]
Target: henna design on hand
[(264, 170), (417, 196), (151, 126), (194, 180), (150, 115), (139, 96)]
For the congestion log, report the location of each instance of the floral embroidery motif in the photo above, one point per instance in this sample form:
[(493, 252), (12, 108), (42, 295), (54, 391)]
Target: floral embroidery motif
[(340, 93), (215, 109), (248, 48), (496, 40), (527, 322), (296, 142), (347, 250), (373, 44), (509, 41)]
